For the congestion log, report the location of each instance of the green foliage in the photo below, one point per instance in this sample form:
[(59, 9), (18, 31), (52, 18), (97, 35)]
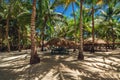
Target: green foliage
[(55, 24)]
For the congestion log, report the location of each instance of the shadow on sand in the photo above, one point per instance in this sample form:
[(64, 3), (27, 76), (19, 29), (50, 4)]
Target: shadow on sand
[(98, 66)]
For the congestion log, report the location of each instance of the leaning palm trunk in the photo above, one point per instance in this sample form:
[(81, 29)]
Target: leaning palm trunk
[(81, 56), (34, 57), (92, 48)]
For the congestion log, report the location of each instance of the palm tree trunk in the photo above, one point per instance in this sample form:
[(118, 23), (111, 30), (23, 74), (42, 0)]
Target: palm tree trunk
[(42, 42), (42, 45), (92, 48), (113, 39), (7, 31), (74, 23), (34, 57), (74, 19), (81, 56), (19, 38), (107, 42)]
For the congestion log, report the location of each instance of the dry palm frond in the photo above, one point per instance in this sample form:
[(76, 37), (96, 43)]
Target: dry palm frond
[(73, 74), (50, 75), (69, 1), (99, 2)]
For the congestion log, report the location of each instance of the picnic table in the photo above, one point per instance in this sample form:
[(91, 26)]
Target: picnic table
[(59, 50)]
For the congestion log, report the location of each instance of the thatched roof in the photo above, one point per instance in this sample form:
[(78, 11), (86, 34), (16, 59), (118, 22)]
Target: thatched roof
[(96, 41), (61, 42)]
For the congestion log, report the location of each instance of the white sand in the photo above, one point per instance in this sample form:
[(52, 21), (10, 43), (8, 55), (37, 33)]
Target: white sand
[(97, 66)]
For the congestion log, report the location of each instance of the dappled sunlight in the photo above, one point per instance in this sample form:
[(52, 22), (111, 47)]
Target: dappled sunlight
[(14, 57), (4, 65), (50, 75), (115, 60), (65, 70), (69, 58), (104, 66), (59, 40), (18, 69)]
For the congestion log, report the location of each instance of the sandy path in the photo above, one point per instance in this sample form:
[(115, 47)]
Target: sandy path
[(97, 66)]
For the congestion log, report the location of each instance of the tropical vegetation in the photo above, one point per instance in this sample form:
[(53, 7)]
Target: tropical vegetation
[(26, 24)]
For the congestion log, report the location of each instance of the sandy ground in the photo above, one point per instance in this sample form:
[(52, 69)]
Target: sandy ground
[(97, 66)]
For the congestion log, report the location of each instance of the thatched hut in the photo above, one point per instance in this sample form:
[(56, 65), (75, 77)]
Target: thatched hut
[(61, 42), (96, 41)]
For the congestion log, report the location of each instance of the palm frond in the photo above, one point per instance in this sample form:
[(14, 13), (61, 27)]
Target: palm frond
[(23, 14), (1, 14)]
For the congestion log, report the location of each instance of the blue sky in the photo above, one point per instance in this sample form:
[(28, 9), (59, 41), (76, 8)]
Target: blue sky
[(68, 12)]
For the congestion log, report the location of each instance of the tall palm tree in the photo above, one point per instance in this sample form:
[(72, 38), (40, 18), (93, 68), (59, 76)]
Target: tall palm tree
[(93, 3), (86, 21), (48, 18), (113, 12), (7, 30), (34, 57), (7, 14), (66, 4), (75, 24), (73, 9), (81, 56), (92, 49), (7, 25), (110, 15), (18, 13)]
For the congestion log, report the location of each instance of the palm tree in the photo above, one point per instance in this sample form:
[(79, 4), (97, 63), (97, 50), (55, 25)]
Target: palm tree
[(111, 12), (93, 3), (81, 56), (3, 15), (92, 49), (66, 4), (7, 14), (86, 21), (19, 12), (7, 30), (75, 24), (7, 26), (48, 18), (34, 57)]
